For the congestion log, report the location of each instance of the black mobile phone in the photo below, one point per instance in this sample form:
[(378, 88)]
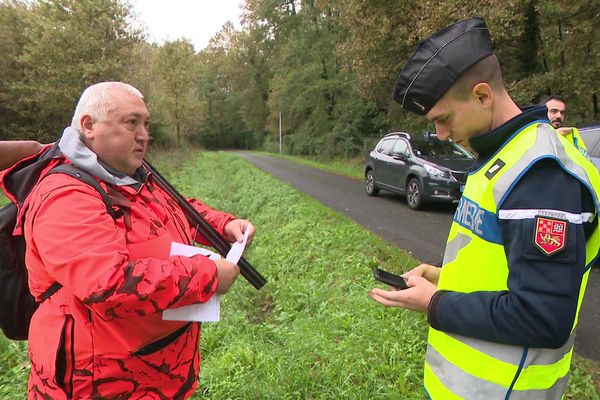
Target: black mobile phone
[(391, 279)]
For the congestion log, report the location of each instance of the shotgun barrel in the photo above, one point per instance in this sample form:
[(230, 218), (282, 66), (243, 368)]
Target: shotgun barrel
[(202, 226)]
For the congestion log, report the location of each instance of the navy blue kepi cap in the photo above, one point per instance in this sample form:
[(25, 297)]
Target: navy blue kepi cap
[(439, 61)]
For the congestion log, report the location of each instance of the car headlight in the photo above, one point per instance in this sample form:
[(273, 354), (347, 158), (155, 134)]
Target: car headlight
[(433, 171)]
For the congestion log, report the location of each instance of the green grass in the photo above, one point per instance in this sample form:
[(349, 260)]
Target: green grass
[(311, 332)]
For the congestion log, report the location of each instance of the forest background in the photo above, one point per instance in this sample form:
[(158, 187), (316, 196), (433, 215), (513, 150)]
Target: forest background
[(327, 67), (322, 70)]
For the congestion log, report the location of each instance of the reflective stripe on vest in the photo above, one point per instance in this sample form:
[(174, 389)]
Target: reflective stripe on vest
[(471, 387), (462, 367), (574, 137)]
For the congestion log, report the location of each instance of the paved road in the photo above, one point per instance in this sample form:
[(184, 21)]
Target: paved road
[(422, 233)]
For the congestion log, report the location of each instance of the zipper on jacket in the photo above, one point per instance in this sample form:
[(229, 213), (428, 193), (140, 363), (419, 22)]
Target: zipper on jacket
[(65, 357), (161, 343)]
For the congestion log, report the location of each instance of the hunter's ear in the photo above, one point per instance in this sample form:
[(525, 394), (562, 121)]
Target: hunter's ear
[(87, 126)]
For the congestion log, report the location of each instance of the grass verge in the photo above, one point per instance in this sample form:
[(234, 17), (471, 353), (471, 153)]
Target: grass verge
[(311, 332)]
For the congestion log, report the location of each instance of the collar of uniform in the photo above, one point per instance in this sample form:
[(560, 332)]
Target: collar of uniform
[(487, 144)]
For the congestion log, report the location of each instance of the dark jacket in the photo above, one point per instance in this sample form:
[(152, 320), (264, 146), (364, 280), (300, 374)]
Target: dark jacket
[(539, 307)]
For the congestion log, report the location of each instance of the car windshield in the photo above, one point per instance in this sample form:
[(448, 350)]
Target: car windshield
[(440, 149)]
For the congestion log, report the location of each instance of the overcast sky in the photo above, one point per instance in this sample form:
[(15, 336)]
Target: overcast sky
[(196, 20)]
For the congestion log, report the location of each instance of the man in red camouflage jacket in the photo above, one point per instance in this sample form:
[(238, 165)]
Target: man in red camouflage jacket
[(102, 335)]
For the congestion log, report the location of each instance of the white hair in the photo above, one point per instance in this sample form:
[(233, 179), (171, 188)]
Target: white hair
[(97, 101)]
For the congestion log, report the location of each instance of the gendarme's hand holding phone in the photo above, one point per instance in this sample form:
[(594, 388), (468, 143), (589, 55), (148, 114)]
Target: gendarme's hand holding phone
[(391, 279)]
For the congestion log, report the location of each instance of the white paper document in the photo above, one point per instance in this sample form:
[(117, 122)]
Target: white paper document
[(211, 310), (237, 249)]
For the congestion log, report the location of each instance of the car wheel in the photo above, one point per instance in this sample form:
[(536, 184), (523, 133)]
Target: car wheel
[(370, 186), (414, 194)]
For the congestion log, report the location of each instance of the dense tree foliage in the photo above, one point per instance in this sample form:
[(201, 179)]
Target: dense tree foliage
[(323, 70), (174, 70), (57, 48)]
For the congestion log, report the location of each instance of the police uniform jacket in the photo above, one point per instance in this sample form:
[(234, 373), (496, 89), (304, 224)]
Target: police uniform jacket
[(539, 307)]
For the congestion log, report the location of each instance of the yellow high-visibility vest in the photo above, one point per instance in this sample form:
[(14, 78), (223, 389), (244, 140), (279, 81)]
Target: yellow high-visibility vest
[(459, 367), (574, 137)]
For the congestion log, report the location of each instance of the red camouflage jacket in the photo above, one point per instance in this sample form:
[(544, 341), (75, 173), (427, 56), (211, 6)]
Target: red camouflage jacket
[(101, 335)]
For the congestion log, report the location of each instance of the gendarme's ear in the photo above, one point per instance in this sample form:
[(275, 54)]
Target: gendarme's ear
[(484, 93)]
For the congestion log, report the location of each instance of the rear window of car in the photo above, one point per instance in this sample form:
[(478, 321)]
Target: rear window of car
[(438, 148)]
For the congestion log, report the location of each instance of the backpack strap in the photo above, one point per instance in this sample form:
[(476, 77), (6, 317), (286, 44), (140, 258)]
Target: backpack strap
[(50, 291), (83, 176)]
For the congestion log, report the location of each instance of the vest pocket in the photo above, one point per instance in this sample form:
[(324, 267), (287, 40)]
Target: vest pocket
[(65, 357), (161, 343)]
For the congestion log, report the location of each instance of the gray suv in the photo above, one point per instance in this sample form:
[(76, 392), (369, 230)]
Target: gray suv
[(421, 167)]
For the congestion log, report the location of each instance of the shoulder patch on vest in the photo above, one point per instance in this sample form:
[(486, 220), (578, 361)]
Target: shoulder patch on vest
[(494, 169), (550, 235)]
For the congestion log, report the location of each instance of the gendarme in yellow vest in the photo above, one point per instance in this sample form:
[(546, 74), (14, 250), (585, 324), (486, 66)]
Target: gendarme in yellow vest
[(574, 137), (459, 367)]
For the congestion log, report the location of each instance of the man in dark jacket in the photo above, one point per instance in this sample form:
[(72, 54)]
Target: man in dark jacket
[(503, 308), (556, 115)]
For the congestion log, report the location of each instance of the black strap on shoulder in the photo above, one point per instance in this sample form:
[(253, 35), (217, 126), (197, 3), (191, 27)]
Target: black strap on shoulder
[(83, 176), (86, 178), (50, 291)]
